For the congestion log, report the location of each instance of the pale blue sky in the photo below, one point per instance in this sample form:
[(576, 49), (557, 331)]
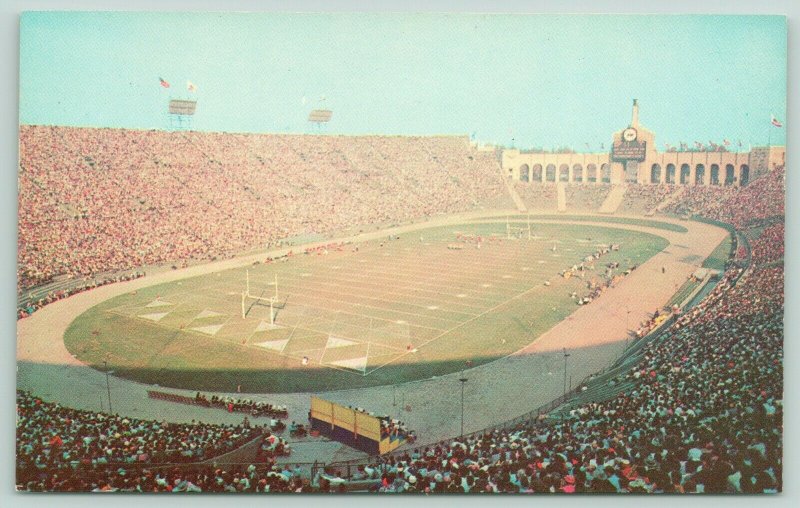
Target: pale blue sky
[(543, 80)]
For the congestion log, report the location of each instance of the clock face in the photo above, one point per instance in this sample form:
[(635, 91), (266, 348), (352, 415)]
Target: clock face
[(629, 134)]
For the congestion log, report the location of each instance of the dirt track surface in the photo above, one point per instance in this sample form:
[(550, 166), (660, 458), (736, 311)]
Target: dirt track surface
[(594, 335)]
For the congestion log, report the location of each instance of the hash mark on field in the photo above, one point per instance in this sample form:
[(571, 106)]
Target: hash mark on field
[(487, 311), (373, 284), (402, 290), (373, 317), (306, 294)]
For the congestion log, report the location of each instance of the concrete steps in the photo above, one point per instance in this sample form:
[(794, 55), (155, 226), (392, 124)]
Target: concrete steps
[(562, 197), (518, 202), (614, 199)]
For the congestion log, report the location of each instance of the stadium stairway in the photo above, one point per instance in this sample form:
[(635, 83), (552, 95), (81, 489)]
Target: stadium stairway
[(515, 196), (614, 199), (562, 197)]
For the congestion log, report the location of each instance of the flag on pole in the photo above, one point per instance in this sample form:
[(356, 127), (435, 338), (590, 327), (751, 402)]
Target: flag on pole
[(726, 142), (775, 122), (191, 86), (163, 83)]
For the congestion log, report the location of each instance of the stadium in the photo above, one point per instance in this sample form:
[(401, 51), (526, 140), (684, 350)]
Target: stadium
[(213, 311)]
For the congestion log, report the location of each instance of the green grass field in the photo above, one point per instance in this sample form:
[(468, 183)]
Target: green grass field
[(408, 309)]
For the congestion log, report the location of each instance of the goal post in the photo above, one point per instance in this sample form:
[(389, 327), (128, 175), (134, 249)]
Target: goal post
[(518, 232), (270, 301), (247, 294), (250, 294)]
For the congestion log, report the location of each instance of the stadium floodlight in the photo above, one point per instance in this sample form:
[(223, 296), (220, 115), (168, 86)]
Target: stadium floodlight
[(182, 107), (320, 116), (181, 112), (108, 384), (463, 382)]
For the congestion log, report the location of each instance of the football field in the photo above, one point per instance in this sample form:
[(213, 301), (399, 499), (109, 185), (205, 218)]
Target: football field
[(355, 315)]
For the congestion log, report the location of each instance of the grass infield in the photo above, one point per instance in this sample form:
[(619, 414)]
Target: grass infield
[(375, 313)]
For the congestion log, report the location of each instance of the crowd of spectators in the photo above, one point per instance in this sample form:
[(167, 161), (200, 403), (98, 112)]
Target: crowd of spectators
[(585, 197), (55, 440), (704, 414), (762, 198), (254, 478), (702, 200), (95, 200), (542, 197), (644, 199), (395, 429), (271, 447), (768, 247)]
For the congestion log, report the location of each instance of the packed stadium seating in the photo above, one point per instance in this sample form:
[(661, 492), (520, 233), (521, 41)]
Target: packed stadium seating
[(98, 200), (762, 199), (537, 197), (57, 441), (585, 197), (703, 414), (644, 199), (699, 410)]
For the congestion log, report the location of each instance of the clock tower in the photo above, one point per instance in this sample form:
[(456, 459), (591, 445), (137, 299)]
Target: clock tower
[(629, 150)]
